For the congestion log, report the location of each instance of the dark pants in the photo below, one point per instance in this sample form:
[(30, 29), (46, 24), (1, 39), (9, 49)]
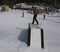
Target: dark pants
[(44, 16), (34, 19)]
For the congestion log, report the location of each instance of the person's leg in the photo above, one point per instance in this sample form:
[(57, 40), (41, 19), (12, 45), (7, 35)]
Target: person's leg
[(33, 19), (36, 19)]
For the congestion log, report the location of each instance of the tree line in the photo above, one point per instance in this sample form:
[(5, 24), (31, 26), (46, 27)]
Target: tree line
[(12, 2)]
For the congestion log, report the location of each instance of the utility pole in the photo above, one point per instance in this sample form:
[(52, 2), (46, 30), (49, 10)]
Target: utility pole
[(56, 4)]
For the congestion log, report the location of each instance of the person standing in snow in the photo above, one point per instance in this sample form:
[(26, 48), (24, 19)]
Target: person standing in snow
[(35, 12), (44, 16), (22, 14)]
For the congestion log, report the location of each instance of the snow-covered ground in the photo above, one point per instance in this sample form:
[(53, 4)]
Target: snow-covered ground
[(13, 32)]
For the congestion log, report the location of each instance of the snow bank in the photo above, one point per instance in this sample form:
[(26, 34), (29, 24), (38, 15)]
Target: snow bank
[(56, 14)]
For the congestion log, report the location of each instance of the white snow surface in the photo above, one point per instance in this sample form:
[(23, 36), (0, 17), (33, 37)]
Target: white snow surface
[(13, 32)]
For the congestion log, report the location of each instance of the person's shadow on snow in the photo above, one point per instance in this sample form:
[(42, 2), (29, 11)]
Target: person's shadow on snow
[(23, 36)]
